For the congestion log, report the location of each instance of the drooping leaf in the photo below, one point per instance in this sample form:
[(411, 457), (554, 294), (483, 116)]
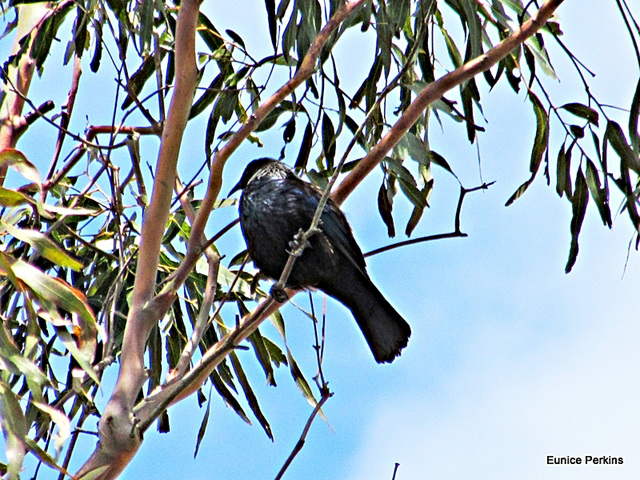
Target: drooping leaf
[(289, 130), (236, 38), (10, 157), (470, 15), (417, 149), (328, 141), (577, 131), (616, 138), (13, 198), (598, 194), (16, 362), (579, 206), (80, 355), (250, 395), (209, 95), (203, 426), (65, 296), (353, 128), (305, 148), (633, 120), (540, 145), (439, 160), (417, 212), (15, 429), (62, 422), (518, 193), (582, 111), (209, 33), (44, 246), (228, 397), (300, 380), (541, 141), (263, 355), (385, 207), (145, 13), (563, 172), (140, 77), (272, 21)]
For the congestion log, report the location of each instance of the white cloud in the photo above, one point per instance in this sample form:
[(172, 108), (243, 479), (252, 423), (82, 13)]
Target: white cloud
[(504, 412)]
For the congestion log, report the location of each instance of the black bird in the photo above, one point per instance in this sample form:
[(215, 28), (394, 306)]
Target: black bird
[(274, 206)]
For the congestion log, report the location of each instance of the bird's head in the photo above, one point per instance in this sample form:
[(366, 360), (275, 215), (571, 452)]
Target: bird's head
[(258, 168)]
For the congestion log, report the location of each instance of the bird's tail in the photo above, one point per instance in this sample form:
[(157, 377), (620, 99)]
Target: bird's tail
[(386, 332)]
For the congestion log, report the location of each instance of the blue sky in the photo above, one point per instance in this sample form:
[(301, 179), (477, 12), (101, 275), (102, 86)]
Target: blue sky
[(510, 359)]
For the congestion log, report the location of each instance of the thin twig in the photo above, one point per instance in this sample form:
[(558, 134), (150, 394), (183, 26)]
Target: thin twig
[(457, 232), (326, 395)]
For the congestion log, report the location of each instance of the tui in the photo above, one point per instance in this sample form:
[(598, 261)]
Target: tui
[(275, 205)]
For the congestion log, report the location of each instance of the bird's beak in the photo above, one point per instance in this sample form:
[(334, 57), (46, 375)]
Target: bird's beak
[(238, 186)]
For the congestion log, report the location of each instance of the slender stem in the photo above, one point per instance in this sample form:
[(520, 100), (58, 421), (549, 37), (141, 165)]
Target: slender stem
[(326, 395)]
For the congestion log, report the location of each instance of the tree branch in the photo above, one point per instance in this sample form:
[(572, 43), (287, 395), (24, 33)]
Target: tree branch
[(457, 232), (18, 79), (119, 440)]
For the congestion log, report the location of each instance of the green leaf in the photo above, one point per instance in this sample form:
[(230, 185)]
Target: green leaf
[(15, 159), (599, 194), (43, 456), (203, 426), (563, 171), (619, 143), (272, 21), (62, 422), (576, 131), (15, 428), (44, 246), (262, 354), (249, 394), (13, 198), (633, 120), (209, 33), (541, 56), (300, 380), (417, 149), (65, 296), (209, 95), (417, 212), (328, 141), (416, 196), (439, 160), (146, 10), (16, 362), (475, 28), (518, 193), (236, 38), (582, 111), (305, 148), (228, 397), (385, 207), (140, 77), (579, 203), (79, 354), (541, 141), (540, 145), (454, 53)]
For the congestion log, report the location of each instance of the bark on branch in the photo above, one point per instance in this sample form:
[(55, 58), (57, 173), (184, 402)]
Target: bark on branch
[(119, 439)]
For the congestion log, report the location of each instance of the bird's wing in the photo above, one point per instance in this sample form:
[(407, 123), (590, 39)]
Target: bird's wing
[(334, 227)]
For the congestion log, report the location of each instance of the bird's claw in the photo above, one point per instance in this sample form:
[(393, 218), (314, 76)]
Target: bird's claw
[(279, 294)]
